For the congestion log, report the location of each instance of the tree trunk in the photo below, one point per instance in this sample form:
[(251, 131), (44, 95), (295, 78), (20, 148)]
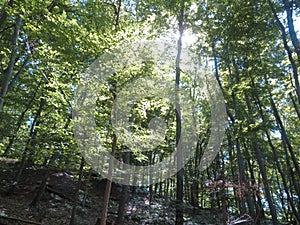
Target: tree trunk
[(102, 220), (42, 188), (288, 6), (20, 121), (261, 165), (223, 192), (9, 71), (295, 105), (180, 173), (240, 159), (276, 158), (286, 46), (4, 15), (284, 134), (17, 75), (29, 143), (76, 194), (124, 198), (150, 178)]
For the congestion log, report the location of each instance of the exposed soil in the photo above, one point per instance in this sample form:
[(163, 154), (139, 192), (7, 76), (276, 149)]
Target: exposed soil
[(55, 205)]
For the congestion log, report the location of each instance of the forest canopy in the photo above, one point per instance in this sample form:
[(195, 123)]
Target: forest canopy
[(206, 93)]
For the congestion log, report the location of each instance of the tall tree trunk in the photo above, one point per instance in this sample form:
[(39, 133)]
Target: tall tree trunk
[(102, 220), (275, 156), (282, 175), (284, 134), (4, 14), (29, 143), (258, 204), (124, 198), (233, 171), (261, 165), (43, 185), (195, 182), (9, 71), (240, 159), (150, 178), (180, 173), (287, 48), (18, 74), (223, 178), (288, 6), (76, 194), (20, 121), (290, 170), (250, 196), (295, 105)]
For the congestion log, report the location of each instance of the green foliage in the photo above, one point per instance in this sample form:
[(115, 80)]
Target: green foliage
[(59, 40)]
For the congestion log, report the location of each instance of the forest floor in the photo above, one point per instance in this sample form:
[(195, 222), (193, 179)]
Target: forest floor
[(54, 208)]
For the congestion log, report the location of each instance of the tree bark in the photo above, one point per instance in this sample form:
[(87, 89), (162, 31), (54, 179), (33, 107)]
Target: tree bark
[(284, 134), (41, 189), (20, 121), (241, 163), (9, 71), (295, 105), (4, 14), (124, 198), (261, 165), (276, 158), (76, 194), (287, 48), (29, 143), (180, 173), (288, 6), (102, 220)]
